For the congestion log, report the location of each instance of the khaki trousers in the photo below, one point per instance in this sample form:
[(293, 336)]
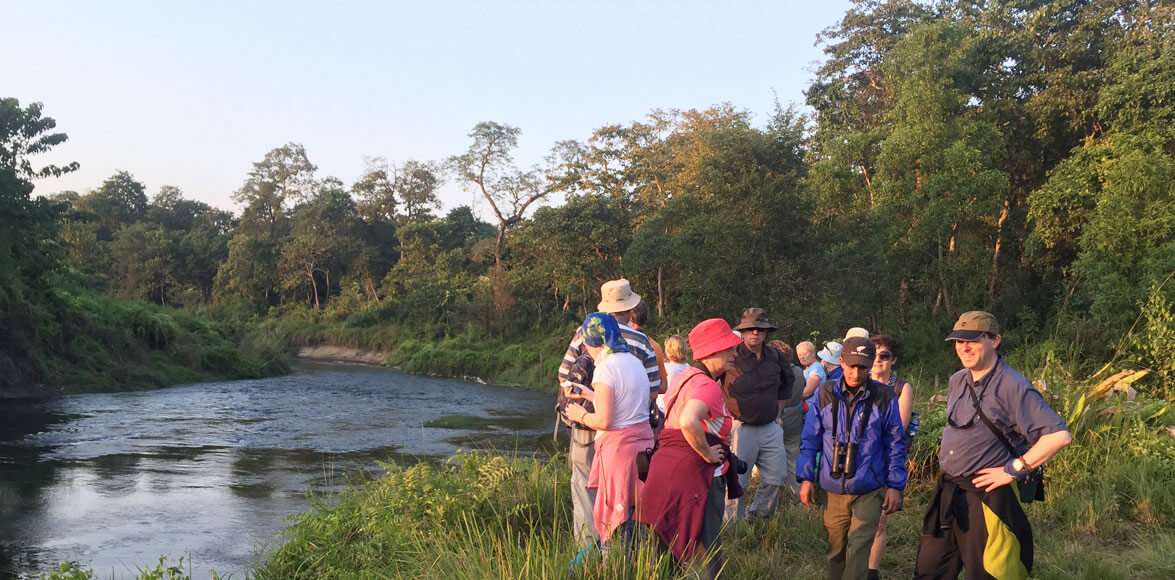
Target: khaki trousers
[(583, 500), (851, 522)]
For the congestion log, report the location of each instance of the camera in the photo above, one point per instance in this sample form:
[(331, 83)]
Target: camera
[(740, 466)]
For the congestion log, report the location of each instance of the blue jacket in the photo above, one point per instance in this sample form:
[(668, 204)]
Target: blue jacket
[(881, 448)]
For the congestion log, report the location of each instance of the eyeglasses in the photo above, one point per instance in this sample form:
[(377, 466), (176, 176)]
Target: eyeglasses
[(756, 330), (885, 355)]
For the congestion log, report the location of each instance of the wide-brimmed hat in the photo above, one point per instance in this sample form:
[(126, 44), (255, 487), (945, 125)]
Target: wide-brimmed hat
[(755, 318), (856, 331), (974, 324), (710, 336), (617, 296), (830, 353), (858, 352)]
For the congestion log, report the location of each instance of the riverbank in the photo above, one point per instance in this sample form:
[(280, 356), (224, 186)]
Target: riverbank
[(91, 342), (528, 361)]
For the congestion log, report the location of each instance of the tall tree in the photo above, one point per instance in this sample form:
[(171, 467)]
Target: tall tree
[(121, 200), (28, 254), (488, 165), (251, 271)]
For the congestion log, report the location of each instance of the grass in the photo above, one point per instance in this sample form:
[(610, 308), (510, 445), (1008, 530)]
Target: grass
[(491, 516), (101, 343)]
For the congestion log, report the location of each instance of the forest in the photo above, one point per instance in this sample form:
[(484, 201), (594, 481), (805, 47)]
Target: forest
[(1009, 156), (1015, 156)]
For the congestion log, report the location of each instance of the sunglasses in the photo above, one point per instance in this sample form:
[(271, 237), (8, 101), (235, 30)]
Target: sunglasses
[(756, 330), (885, 356)]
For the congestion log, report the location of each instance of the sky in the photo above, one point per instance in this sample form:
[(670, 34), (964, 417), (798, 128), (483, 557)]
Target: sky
[(191, 94)]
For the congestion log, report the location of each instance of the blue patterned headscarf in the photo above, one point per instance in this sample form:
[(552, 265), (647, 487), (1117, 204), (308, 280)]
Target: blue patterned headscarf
[(600, 329)]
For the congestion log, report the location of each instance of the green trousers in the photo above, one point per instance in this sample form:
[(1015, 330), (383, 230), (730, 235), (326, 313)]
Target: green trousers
[(851, 521)]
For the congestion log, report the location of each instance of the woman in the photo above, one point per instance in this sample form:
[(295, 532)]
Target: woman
[(693, 456), (678, 354), (883, 372), (620, 394)]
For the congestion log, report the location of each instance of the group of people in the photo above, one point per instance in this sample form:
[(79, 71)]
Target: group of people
[(663, 442)]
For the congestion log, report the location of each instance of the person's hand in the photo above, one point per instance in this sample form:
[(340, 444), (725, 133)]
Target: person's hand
[(716, 455), (892, 501), (992, 478), (583, 394), (575, 412), (806, 493)]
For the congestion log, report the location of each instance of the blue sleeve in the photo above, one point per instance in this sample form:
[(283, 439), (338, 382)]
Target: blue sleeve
[(894, 444), (1033, 416), (810, 442)]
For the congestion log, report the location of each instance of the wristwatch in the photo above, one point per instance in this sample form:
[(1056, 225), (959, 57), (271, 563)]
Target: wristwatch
[(1017, 468)]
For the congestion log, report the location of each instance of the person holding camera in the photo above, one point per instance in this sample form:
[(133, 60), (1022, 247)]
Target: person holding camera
[(693, 472), (620, 393), (856, 428), (999, 432), (618, 300)]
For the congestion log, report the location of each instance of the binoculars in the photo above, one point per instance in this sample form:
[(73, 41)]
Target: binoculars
[(844, 460)]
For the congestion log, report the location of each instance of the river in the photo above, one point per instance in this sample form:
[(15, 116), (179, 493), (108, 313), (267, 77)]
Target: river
[(212, 472)]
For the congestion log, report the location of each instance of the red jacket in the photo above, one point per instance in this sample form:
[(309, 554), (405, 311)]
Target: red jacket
[(673, 500)]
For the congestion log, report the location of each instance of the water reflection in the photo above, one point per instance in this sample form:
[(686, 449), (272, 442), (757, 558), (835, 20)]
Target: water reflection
[(213, 471)]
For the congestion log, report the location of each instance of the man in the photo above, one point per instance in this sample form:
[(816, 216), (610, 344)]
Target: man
[(791, 417), (756, 387), (637, 321), (999, 431), (855, 426), (617, 299)]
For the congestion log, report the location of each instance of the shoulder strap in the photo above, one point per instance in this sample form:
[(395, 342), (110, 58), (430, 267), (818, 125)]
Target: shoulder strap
[(986, 421), (669, 402)]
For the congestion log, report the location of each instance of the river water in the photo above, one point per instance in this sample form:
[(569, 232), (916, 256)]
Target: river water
[(212, 472)]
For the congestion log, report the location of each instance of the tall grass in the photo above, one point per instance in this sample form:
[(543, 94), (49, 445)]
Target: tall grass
[(103, 343)]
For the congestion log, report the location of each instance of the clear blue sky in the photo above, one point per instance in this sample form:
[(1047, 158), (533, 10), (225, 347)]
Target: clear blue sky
[(190, 94)]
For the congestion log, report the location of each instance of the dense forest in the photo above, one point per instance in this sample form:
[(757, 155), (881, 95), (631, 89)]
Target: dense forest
[(1015, 156)]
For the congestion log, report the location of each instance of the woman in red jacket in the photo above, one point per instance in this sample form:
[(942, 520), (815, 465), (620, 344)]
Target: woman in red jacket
[(693, 459)]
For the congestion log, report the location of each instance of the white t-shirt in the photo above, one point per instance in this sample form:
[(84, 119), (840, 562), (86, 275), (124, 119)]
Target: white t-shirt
[(630, 388)]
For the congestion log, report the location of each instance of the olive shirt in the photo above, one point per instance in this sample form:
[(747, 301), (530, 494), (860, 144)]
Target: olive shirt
[(1010, 402), (756, 386)]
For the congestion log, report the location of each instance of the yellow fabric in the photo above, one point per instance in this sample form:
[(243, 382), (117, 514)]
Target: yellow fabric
[(1001, 554)]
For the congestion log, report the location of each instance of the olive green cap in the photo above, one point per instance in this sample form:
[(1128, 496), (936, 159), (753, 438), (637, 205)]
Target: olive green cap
[(971, 325)]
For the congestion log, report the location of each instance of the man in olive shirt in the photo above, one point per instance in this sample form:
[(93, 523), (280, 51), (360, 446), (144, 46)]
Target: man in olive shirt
[(974, 520), (755, 389)]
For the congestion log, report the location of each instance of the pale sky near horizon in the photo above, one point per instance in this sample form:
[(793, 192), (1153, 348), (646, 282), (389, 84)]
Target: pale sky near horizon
[(192, 94)]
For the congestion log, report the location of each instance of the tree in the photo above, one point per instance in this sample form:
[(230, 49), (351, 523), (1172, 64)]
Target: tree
[(416, 183), (28, 228), (143, 264), (322, 244), (121, 200), (250, 272), (488, 165), (375, 192)]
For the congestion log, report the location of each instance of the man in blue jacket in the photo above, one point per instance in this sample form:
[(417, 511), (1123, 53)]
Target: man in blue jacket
[(855, 427)]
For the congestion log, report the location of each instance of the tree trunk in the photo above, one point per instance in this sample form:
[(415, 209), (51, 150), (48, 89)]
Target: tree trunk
[(371, 288), (993, 278), (498, 245), (313, 284), (660, 293), (869, 187)]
